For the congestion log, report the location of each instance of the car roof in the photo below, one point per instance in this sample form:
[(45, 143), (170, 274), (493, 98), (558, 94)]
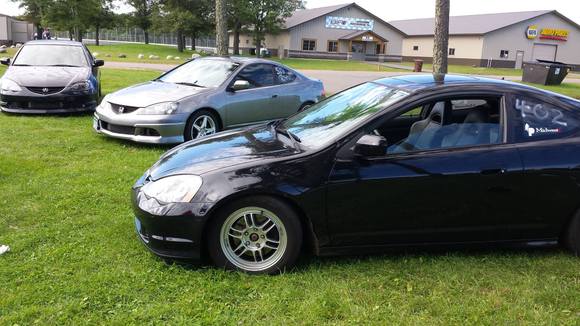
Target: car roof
[(54, 42)]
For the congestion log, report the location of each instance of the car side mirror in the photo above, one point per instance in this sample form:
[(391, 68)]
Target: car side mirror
[(371, 145), (5, 61), (240, 85), (98, 63)]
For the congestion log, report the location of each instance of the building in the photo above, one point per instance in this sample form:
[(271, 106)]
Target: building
[(497, 40), (345, 31), (13, 30)]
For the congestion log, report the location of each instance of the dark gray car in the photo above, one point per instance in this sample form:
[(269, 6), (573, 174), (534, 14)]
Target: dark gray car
[(204, 96), (50, 76)]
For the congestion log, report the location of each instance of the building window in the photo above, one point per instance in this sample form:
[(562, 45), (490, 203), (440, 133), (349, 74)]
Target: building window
[(247, 41), (308, 45), (451, 51), (415, 48), (332, 46), (504, 54)]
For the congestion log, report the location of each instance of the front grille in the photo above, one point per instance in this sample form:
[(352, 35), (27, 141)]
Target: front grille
[(47, 103), (45, 90), (118, 129), (121, 109)]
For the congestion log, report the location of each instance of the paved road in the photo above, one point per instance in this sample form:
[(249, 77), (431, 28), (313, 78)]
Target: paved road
[(334, 81)]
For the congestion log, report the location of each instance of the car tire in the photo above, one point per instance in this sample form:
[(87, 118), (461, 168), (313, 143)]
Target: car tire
[(201, 123), (572, 235), (256, 235)]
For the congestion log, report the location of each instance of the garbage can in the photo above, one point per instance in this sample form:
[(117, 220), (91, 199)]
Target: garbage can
[(545, 72), (418, 65)]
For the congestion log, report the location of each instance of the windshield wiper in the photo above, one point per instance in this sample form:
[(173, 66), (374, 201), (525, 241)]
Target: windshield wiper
[(295, 139), (21, 64), (190, 84), (62, 65)]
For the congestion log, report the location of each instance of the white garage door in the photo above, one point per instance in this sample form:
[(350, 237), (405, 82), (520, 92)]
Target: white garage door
[(544, 52)]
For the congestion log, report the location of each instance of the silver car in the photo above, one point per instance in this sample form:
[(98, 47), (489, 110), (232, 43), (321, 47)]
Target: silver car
[(204, 96)]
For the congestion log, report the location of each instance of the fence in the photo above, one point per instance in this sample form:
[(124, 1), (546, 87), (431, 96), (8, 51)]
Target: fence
[(138, 36)]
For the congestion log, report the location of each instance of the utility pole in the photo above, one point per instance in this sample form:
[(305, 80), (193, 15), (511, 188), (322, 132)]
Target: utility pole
[(441, 41), (221, 28)]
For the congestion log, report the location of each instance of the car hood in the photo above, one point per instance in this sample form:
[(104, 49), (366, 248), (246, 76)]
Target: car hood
[(153, 92), (39, 76), (222, 150)]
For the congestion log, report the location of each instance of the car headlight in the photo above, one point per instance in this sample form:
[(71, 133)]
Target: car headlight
[(160, 108), (105, 104), (174, 189), (84, 86), (8, 86)]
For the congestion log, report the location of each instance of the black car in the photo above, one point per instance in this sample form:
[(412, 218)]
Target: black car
[(50, 76), (404, 161)]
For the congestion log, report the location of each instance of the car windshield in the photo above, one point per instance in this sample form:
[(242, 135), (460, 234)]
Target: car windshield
[(51, 55), (329, 119), (200, 72)]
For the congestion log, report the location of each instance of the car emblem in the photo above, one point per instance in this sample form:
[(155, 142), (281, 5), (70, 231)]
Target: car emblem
[(121, 109), (45, 90)]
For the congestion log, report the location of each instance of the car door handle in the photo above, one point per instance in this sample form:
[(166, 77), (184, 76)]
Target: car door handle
[(275, 95), (492, 171)]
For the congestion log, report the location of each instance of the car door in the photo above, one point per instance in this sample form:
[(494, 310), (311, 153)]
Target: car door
[(286, 100), (456, 193), (255, 103)]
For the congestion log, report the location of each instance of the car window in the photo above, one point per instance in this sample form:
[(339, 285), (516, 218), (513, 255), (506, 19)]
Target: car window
[(258, 75), (284, 76), (447, 124), (51, 55), (538, 120)]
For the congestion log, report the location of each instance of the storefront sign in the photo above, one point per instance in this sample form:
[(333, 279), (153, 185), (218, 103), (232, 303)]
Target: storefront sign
[(367, 38), (554, 34), (349, 23), (532, 32)]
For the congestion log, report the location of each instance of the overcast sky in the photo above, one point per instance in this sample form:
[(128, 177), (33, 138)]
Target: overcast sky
[(405, 9)]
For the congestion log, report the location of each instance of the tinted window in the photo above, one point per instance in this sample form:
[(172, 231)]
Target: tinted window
[(51, 55), (200, 72), (449, 123), (537, 120), (258, 75), (284, 75)]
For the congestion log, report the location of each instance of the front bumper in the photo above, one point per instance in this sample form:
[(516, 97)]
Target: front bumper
[(153, 129), (170, 231), (60, 103)]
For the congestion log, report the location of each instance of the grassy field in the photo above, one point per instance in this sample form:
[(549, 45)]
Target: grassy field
[(133, 50), (66, 213)]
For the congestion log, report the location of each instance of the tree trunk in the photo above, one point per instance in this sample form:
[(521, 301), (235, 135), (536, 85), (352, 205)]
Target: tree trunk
[(179, 41), (193, 43), (440, 46), (78, 34), (39, 31), (221, 27), (97, 35), (146, 33), (258, 40), (70, 34), (237, 27)]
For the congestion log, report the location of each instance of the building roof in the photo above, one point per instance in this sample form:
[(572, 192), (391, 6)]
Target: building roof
[(305, 15), (471, 24)]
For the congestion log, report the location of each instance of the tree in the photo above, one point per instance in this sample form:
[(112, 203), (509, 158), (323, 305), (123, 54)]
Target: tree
[(185, 17), (72, 15), (35, 12), (268, 16), (142, 14), (221, 27), (238, 16), (440, 46), (103, 17)]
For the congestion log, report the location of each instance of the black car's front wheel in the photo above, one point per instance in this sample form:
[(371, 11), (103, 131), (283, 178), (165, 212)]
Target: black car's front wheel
[(572, 235), (201, 123), (258, 235)]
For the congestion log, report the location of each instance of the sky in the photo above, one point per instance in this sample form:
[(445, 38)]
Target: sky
[(407, 9)]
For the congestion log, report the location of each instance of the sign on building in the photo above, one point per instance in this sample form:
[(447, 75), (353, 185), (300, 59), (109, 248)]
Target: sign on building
[(349, 23)]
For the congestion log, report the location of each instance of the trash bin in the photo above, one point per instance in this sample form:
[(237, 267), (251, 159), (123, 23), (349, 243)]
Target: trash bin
[(418, 65), (545, 72)]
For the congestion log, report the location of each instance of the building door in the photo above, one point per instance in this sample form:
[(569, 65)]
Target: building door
[(358, 50), (519, 59), (544, 52)]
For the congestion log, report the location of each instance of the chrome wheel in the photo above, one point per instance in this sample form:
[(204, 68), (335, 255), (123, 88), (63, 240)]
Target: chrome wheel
[(202, 126), (253, 239)]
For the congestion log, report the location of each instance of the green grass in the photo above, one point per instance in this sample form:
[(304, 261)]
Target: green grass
[(66, 213), (133, 50)]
